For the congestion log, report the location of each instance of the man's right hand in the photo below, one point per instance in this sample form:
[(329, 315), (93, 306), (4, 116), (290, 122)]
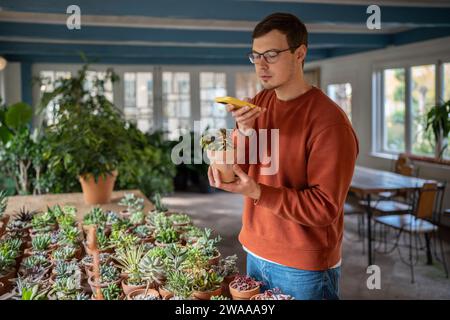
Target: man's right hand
[(245, 116)]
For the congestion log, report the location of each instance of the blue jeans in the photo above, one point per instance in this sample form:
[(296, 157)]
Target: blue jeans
[(300, 284)]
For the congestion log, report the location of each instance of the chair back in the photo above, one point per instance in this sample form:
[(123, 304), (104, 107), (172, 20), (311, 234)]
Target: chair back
[(426, 201)]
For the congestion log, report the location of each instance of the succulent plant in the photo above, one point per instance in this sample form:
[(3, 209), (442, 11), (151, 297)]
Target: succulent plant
[(180, 218), (207, 244), (109, 273), (273, 294), (112, 292), (44, 222), (137, 217), (24, 215), (128, 259), (217, 141), (244, 283), (64, 269), (227, 267), (66, 288), (159, 206), (64, 253), (168, 235), (41, 242), (96, 216), (35, 264), (180, 283), (143, 231), (219, 298), (152, 269), (69, 236), (159, 220), (122, 239), (103, 257), (132, 202), (206, 280), (30, 290)]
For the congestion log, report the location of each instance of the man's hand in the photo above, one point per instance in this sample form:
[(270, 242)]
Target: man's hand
[(245, 116), (244, 185)]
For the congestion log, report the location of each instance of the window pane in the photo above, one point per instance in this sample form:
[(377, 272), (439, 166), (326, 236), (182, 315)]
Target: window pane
[(48, 79), (447, 96), (176, 103), (394, 110), (247, 85), (212, 114), (422, 99), (342, 95)]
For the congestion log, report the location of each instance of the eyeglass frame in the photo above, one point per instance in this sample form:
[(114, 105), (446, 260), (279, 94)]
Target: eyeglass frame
[(250, 54)]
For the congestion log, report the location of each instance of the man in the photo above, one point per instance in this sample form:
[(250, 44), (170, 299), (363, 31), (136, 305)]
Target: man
[(293, 220)]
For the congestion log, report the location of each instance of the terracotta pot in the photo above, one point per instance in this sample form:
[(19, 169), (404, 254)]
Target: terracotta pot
[(206, 295), (101, 285), (243, 295), (214, 260), (97, 192), (223, 161), (6, 276), (165, 293), (225, 285), (127, 288), (150, 292)]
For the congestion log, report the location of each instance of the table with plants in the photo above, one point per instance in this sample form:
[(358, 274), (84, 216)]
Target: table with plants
[(142, 252)]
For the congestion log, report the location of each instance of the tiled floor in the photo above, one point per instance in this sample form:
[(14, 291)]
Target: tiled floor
[(222, 212)]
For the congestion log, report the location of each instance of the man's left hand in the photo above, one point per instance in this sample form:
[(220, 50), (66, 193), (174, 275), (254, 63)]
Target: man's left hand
[(244, 184)]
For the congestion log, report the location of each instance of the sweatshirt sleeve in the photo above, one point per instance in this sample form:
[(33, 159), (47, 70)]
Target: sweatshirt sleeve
[(331, 162)]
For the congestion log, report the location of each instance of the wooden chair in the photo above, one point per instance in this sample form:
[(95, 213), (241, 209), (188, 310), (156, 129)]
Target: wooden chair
[(420, 221)]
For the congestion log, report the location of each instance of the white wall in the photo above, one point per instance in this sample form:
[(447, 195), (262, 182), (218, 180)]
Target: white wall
[(357, 69)]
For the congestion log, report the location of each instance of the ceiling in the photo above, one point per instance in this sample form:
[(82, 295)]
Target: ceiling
[(204, 31)]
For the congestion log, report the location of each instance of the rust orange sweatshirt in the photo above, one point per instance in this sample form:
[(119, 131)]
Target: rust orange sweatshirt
[(298, 220)]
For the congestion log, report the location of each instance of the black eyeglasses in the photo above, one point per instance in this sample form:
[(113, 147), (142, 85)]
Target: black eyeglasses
[(271, 56)]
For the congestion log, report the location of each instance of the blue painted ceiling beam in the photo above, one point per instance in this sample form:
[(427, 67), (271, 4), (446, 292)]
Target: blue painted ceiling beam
[(92, 33), (238, 10)]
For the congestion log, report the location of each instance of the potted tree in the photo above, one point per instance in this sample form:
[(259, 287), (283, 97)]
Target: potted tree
[(88, 134), (438, 119), (220, 152)]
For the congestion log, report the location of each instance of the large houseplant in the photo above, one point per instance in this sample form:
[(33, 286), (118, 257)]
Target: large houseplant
[(438, 119), (88, 135)]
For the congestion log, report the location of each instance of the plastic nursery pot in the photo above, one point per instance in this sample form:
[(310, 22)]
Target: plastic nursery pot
[(97, 192), (243, 295), (150, 292), (223, 161)]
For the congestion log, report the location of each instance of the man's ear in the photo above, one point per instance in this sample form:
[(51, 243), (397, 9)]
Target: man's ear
[(301, 52)]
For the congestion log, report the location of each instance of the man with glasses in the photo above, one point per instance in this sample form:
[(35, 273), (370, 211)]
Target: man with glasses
[(292, 224)]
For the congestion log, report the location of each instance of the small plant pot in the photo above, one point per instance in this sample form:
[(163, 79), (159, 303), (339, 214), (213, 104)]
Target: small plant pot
[(98, 192), (94, 285), (225, 285), (150, 292), (243, 295), (206, 295), (164, 292), (214, 260), (127, 288), (223, 161)]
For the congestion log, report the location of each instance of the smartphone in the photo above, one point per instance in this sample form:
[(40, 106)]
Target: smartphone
[(235, 102)]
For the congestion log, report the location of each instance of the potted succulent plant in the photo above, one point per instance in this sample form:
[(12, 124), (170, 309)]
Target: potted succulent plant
[(207, 283), (132, 203), (272, 294), (36, 265), (209, 246), (152, 269), (244, 287), (144, 233), (221, 154), (228, 269), (178, 286), (109, 274), (111, 292), (9, 253), (166, 236), (128, 260)]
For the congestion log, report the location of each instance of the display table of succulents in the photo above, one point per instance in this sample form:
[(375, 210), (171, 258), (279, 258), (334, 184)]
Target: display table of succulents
[(145, 251)]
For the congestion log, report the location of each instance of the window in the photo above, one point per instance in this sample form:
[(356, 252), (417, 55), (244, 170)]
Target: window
[(91, 76), (342, 95), (176, 103), (247, 85), (405, 96), (138, 99), (423, 79), (48, 79), (394, 110), (212, 114)]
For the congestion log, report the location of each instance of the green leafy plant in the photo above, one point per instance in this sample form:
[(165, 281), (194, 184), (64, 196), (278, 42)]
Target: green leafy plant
[(95, 217), (152, 269), (219, 298), (41, 242), (168, 235), (143, 231), (28, 290), (159, 206), (206, 280), (137, 217), (128, 259), (64, 253), (111, 292), (207, 244), (180, 283), (132, 202), (218, 141), (35, 264), (44, 222), (180, 218), (69, 236), (109, 273), (438, 119)]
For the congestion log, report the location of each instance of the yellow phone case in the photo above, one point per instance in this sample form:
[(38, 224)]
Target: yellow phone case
[(234, 102)]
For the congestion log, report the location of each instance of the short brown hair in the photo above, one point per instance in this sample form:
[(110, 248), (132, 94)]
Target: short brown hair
[(287, 24)]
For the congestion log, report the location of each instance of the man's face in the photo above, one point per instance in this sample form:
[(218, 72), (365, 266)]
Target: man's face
[(274, 75)]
